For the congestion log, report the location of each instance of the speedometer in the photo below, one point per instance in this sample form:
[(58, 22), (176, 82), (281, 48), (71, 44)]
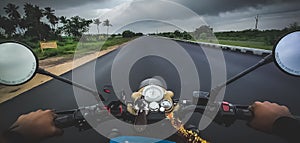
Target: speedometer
[(153, 93)]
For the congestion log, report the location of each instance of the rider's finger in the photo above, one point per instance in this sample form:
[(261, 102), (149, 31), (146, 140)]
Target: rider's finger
[(252, 107)]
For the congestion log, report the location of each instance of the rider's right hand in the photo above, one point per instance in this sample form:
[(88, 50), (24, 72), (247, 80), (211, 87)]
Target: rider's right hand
[(265, 115)]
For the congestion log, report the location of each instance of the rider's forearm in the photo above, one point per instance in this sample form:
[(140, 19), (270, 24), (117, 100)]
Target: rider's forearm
[(287, 128)]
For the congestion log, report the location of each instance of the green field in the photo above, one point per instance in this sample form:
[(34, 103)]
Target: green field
[(69, 47), (250, 44)]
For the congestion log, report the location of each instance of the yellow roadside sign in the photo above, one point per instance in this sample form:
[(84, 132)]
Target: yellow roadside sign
[(48, 45)]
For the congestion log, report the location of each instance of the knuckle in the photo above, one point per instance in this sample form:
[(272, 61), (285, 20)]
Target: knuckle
[(22, 116), (48, 111), (285, 108), (32, 113), (256, 103), (274, 104)]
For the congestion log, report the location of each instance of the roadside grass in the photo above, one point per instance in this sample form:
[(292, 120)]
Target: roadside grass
[(69, 47), (249, 44)]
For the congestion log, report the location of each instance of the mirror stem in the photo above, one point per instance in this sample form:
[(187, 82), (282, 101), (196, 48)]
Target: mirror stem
[(268, 59), (264, 61), (96, 93)]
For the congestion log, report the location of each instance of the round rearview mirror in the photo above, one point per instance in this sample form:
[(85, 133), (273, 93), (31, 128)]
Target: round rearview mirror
[(287, 53), (18, 64)]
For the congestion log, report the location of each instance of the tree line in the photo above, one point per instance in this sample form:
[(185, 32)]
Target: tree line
[(39, 24), (176, 34), (206, 33), (269, 37)]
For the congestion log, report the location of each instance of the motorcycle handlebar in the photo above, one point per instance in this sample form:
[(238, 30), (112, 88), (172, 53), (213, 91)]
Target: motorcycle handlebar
[(65, 121), (226, 115), (77, 117), (244, 113), (72, 118)]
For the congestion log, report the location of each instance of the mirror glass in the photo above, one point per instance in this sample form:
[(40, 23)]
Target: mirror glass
[(287, 53), (18, 64)]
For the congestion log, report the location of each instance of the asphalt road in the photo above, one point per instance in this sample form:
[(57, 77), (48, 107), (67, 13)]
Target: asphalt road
[(266, 83)]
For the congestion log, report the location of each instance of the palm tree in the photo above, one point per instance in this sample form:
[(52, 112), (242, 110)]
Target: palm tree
[(14, 16), (97, 22), (49, 13), (107, 24), (33, 14), (63, 19), (2, 30), (2, 21), (7, 26), (12, 11), (66, 25), (32, 21)]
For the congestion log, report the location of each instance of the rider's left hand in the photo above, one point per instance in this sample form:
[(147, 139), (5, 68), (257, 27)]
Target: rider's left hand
[(36, 126)]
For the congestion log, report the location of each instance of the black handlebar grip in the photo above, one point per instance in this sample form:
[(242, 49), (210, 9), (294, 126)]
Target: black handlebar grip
[(296, 117), (65, 121), (244, 113)]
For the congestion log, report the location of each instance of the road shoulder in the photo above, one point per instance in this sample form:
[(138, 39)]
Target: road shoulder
[(52, 65)]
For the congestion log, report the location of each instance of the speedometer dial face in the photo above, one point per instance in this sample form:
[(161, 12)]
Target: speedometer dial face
[(153, 93)]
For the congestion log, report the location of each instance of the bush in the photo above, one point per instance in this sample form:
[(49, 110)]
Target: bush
[(113, 35), (128, 34), (50, 52), (61, 43), (139, 34), (171, 35)]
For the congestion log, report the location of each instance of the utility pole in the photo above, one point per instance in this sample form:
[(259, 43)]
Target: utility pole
[(256, 22)]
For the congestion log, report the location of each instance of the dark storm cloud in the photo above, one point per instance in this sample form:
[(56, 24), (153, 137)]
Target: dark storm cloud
[(222, 15), (56, 4), (202, 7), (215, 7)]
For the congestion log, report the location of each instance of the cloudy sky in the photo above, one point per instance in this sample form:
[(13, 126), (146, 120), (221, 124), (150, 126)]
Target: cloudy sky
[(165, 15)]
